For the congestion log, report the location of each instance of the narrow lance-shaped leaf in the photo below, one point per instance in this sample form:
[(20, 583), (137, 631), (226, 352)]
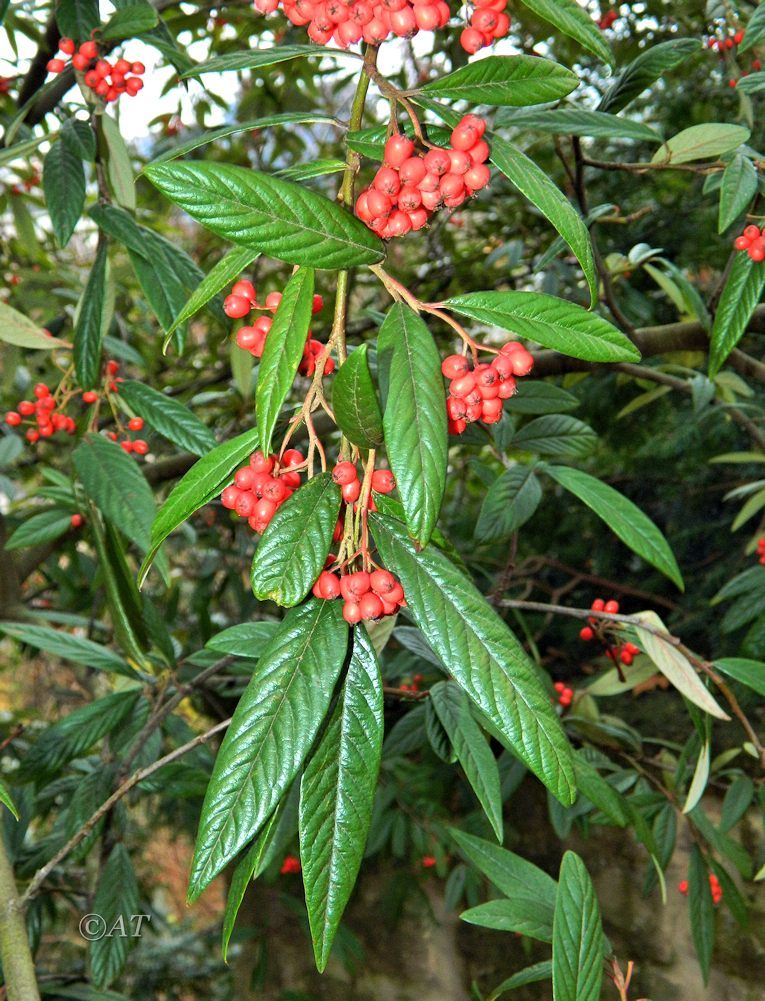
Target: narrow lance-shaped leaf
[(645, 70), (337, 793), (509, 503), (534, 183), (551, 322), (624, 518), (273, 728), (505, 81), (42, 527), (203, 481), (701, 142), (577, 122), (116, 902), (571, 19), (354, 401), (577, 954), (78, 649), (7, 801), (64, 187), (88, 331), (168, 417), (481, 654), (276, 217), (701, 909), (260, 57), (15, 328), (282, 353), (414, 418), (119, 169), (294, 547), (741, 294)]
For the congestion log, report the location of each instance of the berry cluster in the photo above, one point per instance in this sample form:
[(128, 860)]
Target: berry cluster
[(752, 240), (477, 394), (412, 686), (411, 184), (488, 22), (725, 42), (290, 865), (565, 694), (761, 549), (714, 886), (365, 595), (346, 22), (243, 299), (346, 476), (43, 415), (262, 486), (624, 652), (109, 80), (606, 20)]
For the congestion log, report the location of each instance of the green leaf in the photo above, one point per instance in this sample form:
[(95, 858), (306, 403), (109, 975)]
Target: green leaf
[(354, 401), (294, 547), (646, 70), (213, 135), (119, 169), (530, 975), (577, 122), (75, 648), (701, 142), (42, 527), (577, 954), (168, 417), (414, 417), (89, 327), (738, 188), (525, 916), (283, 351), (480, 653), (225, 272), (260, 57), (116, 902), (736, 802), (77, 18), (751, 84), (755, 30), (551, 322), (271, 733), (536, 185), (599, 792), (472, 749), (80, 138), (748, 672), (509, 503), (508, 81), (64, 187), (700, 778), (701, 910), (5, 799), (571, 19), (520, 881), (741, 294), (624, 519), (116, 485), (248, 639), (276, 217), (556, 434), (203, 481), (130, 21), (536, 397), (337, 793), (315, 168)]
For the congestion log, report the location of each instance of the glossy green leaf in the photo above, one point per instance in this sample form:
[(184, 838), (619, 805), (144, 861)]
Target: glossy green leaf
[(472, 749), (414, 417), (119, 168), (556, 434), (67, 646), (536, 185), (599, 792), (89, 327), (530, 975), (624, 518), (248, 639), (202, 482), (315, 168), (509, 503), (80, 138), (572, 20), (536, 397), (551, 322), (226, 272), (505, 81), (260, 57), (748, 672), (701, 909), (578, 122), (337, 794), (130, 21), (42, 527), (294, 547), (116, 901), (480, 653), (522, 915), (742, 292), (77, 18), (64, 187), (7, 801), (701, 142), (116, 485), (168, 417), (577, 954), (273, 729), (276, 217), (738, 188), (645, 70), (354, 401), (283, 352)]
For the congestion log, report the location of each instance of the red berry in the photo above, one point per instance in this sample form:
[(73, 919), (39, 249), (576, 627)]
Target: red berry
[(76, 520), (586, 634), (56, 66), (89, 50), (12, 419), (67, 45), (80, 61), (383, 481), (138, 68), (292, 457), (351, 491), (140, 447), (135, 423), (89, 396), (370, 606), (236, 306), (230, 496), (598, 605), (612, 607), (344, 473), (471, 40), (351, 612)]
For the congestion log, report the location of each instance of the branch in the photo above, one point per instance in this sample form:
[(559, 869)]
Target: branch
[(16, 956)]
